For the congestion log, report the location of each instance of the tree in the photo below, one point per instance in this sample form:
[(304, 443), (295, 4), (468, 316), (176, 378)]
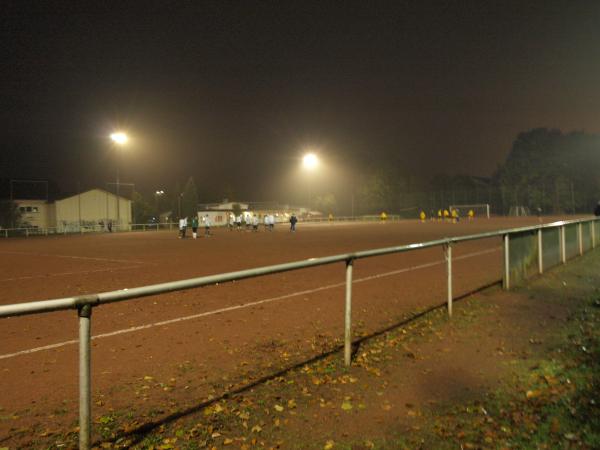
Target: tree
[(143, 211), (189, 199), (10, 216), (236, 209), (375, 193), (548, 169), (326, 203)]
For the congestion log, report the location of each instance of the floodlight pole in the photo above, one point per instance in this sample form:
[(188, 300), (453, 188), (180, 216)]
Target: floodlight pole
[(118, 205)]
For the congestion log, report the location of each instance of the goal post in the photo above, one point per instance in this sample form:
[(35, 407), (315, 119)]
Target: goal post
[(480, 209)]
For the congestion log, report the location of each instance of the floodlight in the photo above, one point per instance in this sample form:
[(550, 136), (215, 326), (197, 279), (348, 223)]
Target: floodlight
[(310, 161), (119, 138)]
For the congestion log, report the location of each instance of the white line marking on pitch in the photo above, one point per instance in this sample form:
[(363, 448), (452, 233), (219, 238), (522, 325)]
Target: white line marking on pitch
[(83, 272), (78, 257), (246, 305)]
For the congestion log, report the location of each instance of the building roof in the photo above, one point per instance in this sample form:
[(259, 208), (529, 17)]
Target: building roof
[(90, 190)]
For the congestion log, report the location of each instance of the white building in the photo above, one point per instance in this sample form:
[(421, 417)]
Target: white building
[(94, 209), (37, 213)]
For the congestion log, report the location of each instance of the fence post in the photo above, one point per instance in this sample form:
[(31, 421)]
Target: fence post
[(593, 225), (157, 227), (448, 252), (26, 232), (506, 263), (348, 315), (580, 236), (540, 252), (85, 395), (563, 248)]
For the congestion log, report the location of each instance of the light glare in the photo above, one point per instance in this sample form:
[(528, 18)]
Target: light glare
[(119, 138), (310, 161)]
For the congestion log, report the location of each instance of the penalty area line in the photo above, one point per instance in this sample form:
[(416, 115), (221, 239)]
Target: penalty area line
[(245, 305)]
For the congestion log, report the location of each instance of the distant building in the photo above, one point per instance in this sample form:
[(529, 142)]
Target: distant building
[(223, 206), (36, 213), (94, 208)]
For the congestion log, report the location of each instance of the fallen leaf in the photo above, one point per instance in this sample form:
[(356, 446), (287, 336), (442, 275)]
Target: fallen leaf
[(533, 394), (328, 445), (346, 406)]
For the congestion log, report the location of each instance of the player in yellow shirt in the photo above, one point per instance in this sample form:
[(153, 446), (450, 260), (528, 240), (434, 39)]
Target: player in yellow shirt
[(471, 214), (422, 216), (439, 215), (383, 216), (446, 215), (454, 214)]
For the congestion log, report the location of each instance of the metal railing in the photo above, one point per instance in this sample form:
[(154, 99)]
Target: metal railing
[(85, 303)]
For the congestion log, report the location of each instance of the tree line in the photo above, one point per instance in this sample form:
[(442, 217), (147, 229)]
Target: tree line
[(545, 168)]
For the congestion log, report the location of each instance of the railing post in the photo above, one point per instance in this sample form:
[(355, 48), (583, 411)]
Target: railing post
[(85, 395), (563, 247), (26, 232), (448, 254), (348, 315), (540, 252), (506, 263), (580, 236)]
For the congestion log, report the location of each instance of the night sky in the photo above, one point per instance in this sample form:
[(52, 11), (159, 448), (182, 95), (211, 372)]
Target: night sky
[(233, 92)]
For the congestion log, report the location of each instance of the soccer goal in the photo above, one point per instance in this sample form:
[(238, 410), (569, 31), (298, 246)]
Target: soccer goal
[(480, 209), (519, 211)]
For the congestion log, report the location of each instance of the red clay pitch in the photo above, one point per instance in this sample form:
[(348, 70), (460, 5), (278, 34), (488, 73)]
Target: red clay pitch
[(138, 361)]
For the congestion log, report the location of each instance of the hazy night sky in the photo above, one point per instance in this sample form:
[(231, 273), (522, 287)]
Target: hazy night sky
[(231, 92)]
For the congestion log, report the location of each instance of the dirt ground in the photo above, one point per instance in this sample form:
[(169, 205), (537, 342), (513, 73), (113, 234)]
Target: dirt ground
[(184, 339)]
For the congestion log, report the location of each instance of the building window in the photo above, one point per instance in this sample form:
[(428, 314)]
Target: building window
[(34, 209), (29, 209)]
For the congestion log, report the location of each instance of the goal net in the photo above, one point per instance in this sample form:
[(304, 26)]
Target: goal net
[(519, 211), (479, 209)]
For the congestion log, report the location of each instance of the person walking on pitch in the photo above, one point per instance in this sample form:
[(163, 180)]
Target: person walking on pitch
[(195, 227)]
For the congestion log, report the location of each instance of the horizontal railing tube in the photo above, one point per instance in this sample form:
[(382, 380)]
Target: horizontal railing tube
[(143, 291)]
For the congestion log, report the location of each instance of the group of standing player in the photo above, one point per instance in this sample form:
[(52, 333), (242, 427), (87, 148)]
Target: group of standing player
[(183, 224), (251, 222), (446, 215)]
